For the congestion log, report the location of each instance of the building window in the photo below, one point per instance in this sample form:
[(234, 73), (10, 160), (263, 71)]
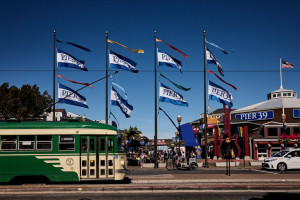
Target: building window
[(296, 130), (278, 95), (274, 95), (289, 94), (26, 143), (284, 94), (262, 151), (272, 132)]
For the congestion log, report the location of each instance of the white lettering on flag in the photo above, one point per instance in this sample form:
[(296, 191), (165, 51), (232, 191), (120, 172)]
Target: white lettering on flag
[(219, 94), (166, 60), (168, 95), (69, 96)]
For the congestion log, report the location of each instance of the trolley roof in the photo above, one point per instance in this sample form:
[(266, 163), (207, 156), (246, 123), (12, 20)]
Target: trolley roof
[(54, 128), (55, 125)]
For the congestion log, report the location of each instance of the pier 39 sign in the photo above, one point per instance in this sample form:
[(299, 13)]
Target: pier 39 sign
[(263, 115)]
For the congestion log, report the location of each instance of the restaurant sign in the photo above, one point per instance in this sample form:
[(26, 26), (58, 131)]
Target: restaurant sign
[(263, 115)]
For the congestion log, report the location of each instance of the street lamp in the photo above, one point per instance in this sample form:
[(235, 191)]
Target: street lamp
[(283, 117), (179, 120)]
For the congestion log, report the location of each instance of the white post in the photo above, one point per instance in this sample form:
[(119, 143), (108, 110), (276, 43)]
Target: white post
[(280, 75)]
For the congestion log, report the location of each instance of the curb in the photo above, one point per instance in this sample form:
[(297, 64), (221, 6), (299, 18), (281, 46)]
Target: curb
[(217, 181)]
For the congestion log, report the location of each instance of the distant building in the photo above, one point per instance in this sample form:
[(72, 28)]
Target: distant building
[(260, 129), (60, 115)]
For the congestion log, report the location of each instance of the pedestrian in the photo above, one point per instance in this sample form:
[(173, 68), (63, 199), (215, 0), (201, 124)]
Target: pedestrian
[(142, 159)]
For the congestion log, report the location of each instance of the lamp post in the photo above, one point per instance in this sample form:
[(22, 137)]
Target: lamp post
[(283, 117), (179, 120)]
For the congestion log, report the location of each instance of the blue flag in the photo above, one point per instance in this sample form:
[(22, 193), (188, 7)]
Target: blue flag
[(168, 95), (218, 47), (66, 60), (121, 62), (210, 58), (117, 100), (219, 94), (165, 59), (70, 96)]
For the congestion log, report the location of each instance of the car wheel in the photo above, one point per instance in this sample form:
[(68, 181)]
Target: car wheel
[(281, 167)]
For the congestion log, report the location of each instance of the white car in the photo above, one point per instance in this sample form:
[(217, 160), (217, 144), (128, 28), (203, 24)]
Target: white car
[(283, 160)]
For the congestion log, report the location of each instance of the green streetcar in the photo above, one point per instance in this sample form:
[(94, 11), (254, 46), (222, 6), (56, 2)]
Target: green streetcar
[(70, 151)]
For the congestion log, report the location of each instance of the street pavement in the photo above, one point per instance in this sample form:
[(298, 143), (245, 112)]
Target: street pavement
[(150, 179)]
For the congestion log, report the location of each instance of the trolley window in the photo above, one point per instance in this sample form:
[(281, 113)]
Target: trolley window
[(44, 142), (8, 143), (26, 143), (66, 143), (110, 144)]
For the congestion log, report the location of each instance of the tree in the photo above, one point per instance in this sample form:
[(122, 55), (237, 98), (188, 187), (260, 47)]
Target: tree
[(132, 135), (26, 102)]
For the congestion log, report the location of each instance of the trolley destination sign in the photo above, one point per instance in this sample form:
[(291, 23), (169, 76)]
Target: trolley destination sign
[(263, 115)]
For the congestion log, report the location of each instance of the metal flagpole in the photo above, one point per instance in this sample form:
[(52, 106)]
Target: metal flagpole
[(205, 117), (106, 82), (54, 66), (155, 104), (280, 74)]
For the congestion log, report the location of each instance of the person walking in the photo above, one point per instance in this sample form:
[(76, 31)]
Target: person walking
[(142, 159)]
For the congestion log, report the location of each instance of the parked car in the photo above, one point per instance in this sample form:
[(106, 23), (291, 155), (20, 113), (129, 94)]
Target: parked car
[(283, 160)]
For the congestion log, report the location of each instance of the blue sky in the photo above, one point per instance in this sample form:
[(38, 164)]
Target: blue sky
[(259, 32)]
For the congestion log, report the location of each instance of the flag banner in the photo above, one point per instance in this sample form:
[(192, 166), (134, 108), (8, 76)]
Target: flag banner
[(134, 50), (188, 136), (87, 84), (122, 89), (213, 44), (117, 100), (70, 96), (176, 85), (212, 60), (219, 94), (167, 60), (66, 60), (217, 121), (111, 114), (159, 108), (121, 62), (285, 64), (168, 95), (75, 45), (59, 110), (222, 79), (174, 48)]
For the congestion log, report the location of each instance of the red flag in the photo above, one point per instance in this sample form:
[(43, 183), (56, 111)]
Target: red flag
[(158, 40), (222, 79), (87, 84), (62, 113)]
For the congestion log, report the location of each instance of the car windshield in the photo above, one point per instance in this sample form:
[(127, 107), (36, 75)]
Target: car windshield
[(280, 154)]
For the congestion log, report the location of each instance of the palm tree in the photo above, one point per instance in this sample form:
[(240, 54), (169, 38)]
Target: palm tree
[(132, 132), (132, 135)]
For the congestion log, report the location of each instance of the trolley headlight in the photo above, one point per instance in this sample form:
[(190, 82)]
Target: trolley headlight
[(122, 162)]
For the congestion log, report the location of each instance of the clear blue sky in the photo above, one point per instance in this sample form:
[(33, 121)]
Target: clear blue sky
[(259, 32)]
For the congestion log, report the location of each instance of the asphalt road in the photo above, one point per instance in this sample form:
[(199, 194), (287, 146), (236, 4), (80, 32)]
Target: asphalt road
[(158, 195)]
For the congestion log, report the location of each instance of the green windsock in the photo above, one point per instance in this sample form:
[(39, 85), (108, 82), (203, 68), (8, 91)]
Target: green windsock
[(178, 86)]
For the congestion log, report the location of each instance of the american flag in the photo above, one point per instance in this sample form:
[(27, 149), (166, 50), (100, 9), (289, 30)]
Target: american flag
[(285, 64)]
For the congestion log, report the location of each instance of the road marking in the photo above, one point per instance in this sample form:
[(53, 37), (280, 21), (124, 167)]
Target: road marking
[(264, 171)]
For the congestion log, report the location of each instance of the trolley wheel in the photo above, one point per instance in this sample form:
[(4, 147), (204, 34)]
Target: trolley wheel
[(281, 166), (170, 166), (193, 166)]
